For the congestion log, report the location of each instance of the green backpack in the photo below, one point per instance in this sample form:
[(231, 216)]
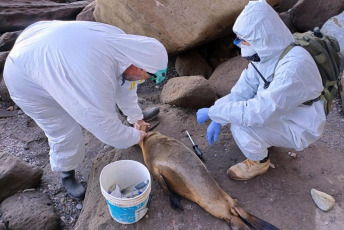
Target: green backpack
[(324, 50)]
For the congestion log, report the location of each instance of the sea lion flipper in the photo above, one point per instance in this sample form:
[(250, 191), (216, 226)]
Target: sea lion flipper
[(253, 221), (175, 200), (172, 196)]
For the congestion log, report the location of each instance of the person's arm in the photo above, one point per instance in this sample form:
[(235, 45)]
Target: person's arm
[(295, 82), (127, 101), (90, 99)]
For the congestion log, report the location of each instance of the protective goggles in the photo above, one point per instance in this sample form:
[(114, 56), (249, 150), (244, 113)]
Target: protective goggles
[(237, 41), (159, 76)]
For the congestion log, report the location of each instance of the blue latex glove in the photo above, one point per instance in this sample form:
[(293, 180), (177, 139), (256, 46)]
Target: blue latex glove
[(213, 132), (202, 115)]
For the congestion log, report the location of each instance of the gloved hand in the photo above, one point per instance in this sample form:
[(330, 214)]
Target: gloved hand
[(141, 125), (213, 132), (202, 115)]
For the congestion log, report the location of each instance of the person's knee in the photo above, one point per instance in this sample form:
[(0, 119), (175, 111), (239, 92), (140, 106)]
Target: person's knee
[(249, 144)]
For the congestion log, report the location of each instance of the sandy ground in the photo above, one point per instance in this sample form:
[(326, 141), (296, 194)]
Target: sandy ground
[(281, 196)]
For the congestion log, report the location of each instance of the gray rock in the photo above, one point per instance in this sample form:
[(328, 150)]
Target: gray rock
[(227, 74), (95, 212), (307, 14), (18, 14), (29, 211), (179, 25), (191, 63), (286, 18), (342, 92), (286, 5), (16, 175), (335, 27), (87, 13), (79, 206), (3, 56), (8, 39), (324, 201), (190, 92), (3, 226)]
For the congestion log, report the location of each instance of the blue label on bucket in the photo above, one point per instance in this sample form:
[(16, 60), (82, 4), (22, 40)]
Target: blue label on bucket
[(124, 215)]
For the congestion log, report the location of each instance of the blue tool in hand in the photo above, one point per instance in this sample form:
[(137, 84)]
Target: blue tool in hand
[(195, 147)]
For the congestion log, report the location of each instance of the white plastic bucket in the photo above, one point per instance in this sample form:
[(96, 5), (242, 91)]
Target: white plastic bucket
[(125, 173)]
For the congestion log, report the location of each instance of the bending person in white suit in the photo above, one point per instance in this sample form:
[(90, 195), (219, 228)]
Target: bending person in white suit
[(66, 74)]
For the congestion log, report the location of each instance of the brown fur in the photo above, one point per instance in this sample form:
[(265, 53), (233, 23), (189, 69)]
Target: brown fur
[(175, 166)]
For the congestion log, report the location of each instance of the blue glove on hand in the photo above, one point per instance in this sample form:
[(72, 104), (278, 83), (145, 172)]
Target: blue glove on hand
[(202, 115), (213, 132)]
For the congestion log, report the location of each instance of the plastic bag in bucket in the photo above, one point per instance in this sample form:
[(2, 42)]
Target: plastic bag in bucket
[(125, 173)]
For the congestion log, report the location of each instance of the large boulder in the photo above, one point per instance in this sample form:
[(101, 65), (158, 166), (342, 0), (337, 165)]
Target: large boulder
[(87, 13), (192, 63), (95, 212), (286, 5), (16, 175), (179, 25), (190, 92), (307, 14), (227, 74), (335, 27), (286, 18), (30, 210), (8, 39), (18, 14)]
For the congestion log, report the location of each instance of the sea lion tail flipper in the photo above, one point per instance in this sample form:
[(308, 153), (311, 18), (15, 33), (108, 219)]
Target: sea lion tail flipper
[(175, 200), (253, 221)]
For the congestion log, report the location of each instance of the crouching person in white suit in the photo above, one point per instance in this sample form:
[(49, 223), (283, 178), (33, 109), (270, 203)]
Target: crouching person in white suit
[(266, 106), (66, 74)]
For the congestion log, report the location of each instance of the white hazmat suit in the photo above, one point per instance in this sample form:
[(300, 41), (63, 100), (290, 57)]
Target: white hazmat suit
[(276, 116), (63, 74)]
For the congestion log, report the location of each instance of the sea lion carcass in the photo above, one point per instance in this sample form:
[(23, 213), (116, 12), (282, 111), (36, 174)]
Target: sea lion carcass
[(181, 173)]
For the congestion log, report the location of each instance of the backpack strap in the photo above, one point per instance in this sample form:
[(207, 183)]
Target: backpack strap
[(292, 45)]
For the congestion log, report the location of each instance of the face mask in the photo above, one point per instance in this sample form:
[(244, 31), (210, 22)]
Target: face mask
[(249, 53)]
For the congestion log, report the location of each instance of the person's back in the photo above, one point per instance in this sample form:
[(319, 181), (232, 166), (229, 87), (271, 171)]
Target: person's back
[(75, 46)]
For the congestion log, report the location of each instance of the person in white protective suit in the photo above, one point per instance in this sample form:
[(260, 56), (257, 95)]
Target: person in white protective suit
[(64, 74), (265, 110)]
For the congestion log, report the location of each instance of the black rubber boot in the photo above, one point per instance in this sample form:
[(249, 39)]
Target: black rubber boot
[(74, 188), (150, 114)]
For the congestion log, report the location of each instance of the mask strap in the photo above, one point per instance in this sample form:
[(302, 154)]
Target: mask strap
[(123, 80)]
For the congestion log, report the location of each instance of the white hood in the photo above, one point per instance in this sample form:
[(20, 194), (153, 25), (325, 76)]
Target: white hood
[(254, 26)]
